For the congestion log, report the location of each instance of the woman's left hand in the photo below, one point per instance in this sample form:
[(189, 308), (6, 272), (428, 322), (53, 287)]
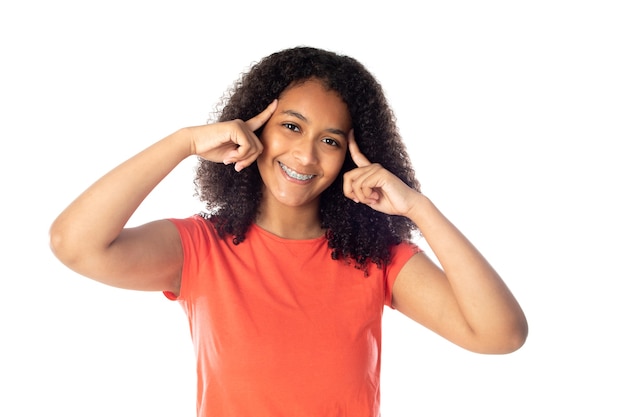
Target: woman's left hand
[(373, 185)]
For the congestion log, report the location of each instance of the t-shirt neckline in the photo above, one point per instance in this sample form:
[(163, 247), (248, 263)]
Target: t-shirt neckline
[(277, 238)]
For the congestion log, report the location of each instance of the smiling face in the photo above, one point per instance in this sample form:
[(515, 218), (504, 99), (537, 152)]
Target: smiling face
[(305, 143)]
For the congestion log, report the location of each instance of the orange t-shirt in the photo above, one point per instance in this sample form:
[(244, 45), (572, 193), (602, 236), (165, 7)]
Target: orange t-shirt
[(281, 329)]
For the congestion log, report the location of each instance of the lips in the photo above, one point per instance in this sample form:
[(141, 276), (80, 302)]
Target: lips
[(294, 174)]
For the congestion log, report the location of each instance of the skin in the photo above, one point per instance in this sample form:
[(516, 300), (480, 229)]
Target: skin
[(308, 130), (467, 302), (306, 135)]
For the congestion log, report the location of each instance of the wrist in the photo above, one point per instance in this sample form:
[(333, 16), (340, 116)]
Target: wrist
[(419, 207), (184, 140)]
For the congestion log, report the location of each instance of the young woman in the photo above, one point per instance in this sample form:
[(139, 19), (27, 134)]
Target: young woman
[(310, 205)]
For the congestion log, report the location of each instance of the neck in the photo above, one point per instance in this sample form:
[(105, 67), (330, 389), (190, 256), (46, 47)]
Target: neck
[(290, 222)]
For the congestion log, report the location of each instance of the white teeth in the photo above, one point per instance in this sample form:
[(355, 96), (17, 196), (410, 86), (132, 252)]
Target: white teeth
[(293, 174)]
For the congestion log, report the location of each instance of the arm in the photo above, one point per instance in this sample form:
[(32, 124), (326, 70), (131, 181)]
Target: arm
[(90, 237), (467, 302)]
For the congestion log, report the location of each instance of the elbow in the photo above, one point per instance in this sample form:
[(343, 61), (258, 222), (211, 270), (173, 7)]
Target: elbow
[(518, 335), (510, 339), (514, 341), (56, 242), (518, 332), (500, 339), (61, 246)]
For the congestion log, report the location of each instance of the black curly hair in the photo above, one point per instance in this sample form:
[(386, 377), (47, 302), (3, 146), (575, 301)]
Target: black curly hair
[(355, 232)]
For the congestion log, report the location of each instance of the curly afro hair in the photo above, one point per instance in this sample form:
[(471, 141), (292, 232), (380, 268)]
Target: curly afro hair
[(355, 232)]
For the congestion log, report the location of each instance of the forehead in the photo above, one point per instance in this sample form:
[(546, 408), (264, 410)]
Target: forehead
[(313, 99)]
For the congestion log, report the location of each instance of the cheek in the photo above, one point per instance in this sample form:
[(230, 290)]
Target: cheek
[(337, 164), (270, 140), (268, 147)]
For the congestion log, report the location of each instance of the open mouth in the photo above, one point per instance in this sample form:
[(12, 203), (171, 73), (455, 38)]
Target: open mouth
[(293, 174)]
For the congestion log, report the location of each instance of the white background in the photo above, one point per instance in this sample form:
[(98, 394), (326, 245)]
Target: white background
[(514, 113)]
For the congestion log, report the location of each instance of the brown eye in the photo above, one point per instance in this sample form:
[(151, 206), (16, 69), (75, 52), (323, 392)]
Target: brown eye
[(330, 141), (291, 127)]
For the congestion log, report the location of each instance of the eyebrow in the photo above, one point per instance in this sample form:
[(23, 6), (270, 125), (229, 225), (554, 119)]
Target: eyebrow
[(304, 119)]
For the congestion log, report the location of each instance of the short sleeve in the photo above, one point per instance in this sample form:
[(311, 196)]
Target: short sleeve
[(194, 237), (400, 254)]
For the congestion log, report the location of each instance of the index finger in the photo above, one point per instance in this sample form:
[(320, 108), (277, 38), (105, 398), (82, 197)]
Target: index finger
[(359, 159), (259, 120)]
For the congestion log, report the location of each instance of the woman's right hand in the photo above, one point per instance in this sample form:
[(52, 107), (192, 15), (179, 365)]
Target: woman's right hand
[(232, 142)]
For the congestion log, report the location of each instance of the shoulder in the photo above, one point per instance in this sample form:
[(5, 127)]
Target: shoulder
[(400, 255), (194, 227)]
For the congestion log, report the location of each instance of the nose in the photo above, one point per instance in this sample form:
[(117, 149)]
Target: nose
[(306, 152)]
